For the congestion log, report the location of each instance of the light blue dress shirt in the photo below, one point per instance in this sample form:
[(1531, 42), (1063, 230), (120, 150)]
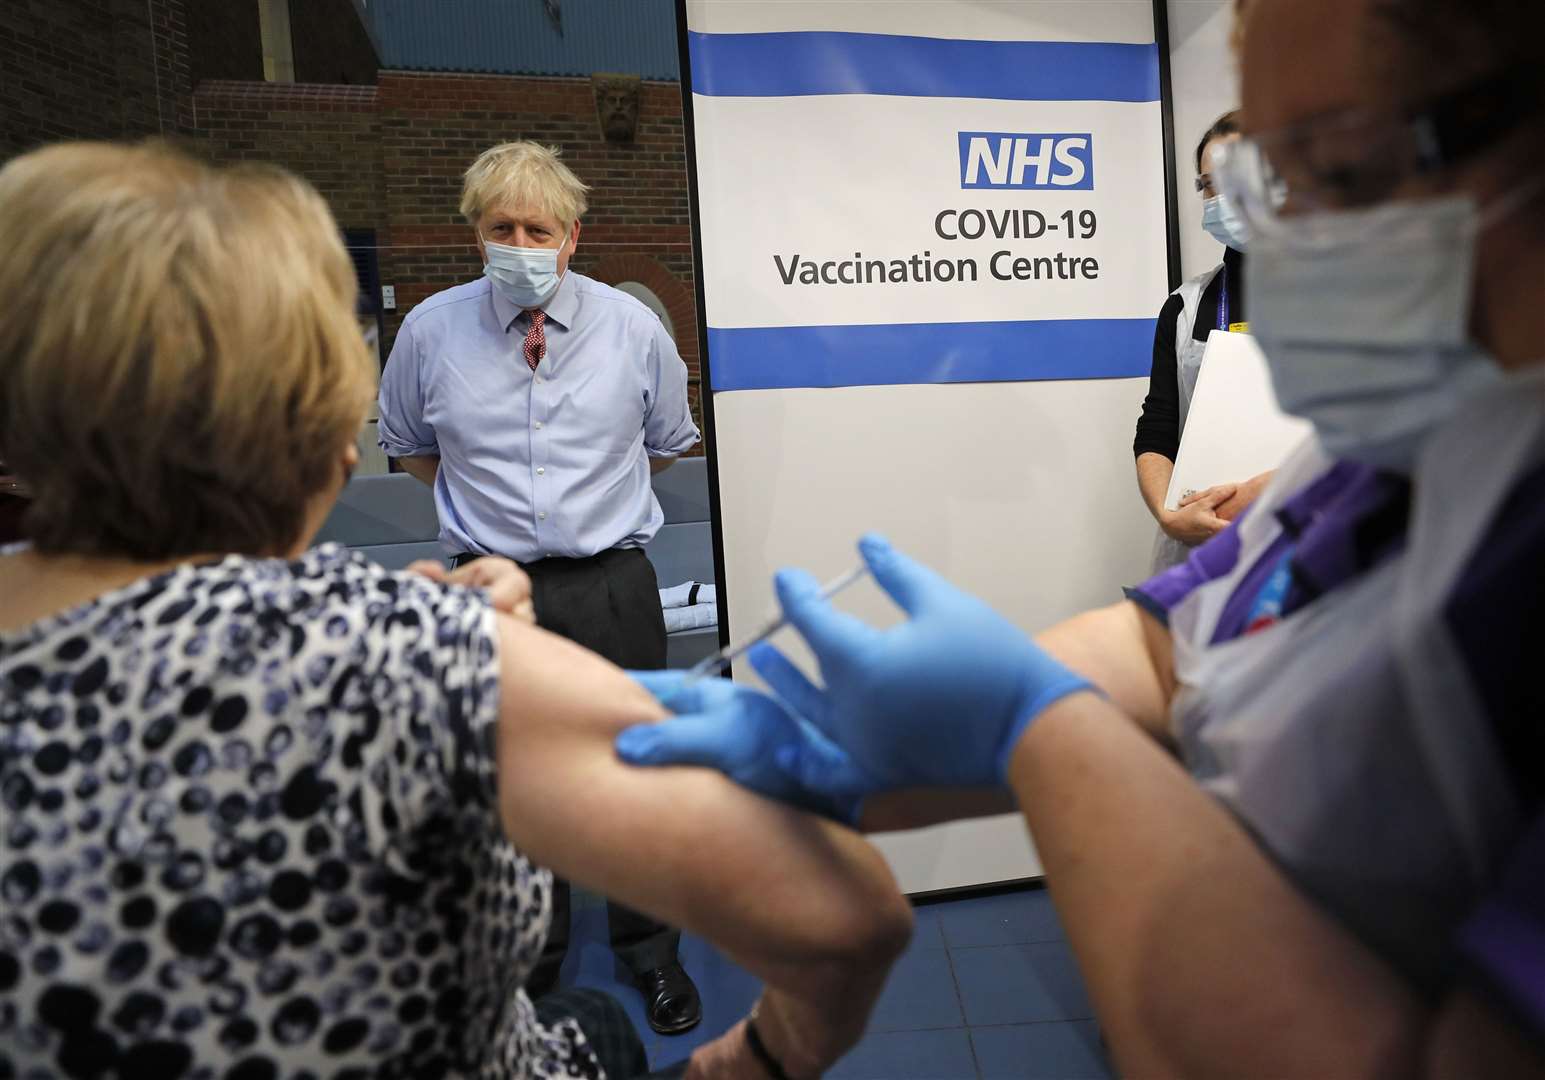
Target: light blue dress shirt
[(547, 462)]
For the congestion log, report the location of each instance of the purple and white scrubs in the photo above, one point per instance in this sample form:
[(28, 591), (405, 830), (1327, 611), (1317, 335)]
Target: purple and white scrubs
[(1361, 669)]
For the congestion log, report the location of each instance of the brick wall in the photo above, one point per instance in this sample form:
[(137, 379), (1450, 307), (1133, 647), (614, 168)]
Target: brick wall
[(328, 134), (91, 69), (387, 157)]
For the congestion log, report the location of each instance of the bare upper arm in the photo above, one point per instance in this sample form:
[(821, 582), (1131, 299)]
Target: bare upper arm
[(1128, 654), (685, 845)]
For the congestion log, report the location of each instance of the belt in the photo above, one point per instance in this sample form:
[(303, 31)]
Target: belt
[(551, 562)]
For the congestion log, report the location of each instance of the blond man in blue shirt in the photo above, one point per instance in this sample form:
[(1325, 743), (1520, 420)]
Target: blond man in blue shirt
[(537, 402)]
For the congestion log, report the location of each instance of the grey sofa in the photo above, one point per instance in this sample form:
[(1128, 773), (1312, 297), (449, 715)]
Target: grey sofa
[(683, 550), (392, 520)]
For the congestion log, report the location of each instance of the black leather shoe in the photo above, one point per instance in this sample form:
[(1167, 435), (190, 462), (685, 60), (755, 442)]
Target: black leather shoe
[(670, 1000)]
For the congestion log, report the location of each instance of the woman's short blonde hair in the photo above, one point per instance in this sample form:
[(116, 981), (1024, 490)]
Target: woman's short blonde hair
[(523, 174), (181, 368)]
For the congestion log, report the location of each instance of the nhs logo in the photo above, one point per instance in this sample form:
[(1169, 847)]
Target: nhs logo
[(997, 159)]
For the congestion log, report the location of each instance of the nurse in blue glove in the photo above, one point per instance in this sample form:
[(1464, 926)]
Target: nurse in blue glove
[(751, 738), (898, 724), (1299, 828)]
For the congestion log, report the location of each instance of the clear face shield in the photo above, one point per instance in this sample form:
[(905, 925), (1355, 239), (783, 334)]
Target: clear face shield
[(1314, 185)]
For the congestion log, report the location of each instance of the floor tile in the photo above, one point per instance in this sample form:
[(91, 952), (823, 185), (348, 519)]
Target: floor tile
[(919, 994), (1013, 918), (728, 990), (909, 1055), (1005, 966), (1020, 984), (1067, 1050), (927, 933)]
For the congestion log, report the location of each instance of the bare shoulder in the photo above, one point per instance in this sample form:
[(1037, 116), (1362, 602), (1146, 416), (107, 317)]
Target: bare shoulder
[(550, 683)]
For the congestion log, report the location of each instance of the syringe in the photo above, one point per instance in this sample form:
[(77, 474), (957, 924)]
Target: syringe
[(712, 665)]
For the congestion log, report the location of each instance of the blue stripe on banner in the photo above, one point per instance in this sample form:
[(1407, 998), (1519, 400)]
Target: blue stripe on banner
[(782, 358), (802, 63)]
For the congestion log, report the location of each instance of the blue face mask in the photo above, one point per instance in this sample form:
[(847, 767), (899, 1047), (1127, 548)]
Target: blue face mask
[(527, 277), (1224, 224)]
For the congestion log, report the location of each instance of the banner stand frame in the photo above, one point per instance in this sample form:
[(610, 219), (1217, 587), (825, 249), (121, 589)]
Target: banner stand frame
[(705, 368), (1167, 114)]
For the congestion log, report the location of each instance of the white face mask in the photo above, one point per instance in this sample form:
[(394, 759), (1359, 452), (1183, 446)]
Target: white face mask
[(1224, 224), (527, 277), (1367, 329)]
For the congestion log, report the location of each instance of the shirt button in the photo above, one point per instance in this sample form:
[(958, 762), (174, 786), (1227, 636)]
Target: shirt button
[(539, 425), (539, 378), (541, 472), (542, 516)]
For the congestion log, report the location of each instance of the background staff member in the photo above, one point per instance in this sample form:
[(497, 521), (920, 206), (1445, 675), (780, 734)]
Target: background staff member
[(1214, 300), (536, 402)]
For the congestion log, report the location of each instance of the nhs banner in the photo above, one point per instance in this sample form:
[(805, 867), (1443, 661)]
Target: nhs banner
[(886, 200)]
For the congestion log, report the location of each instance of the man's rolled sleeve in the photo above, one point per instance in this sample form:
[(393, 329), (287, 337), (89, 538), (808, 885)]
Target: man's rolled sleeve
[(1503, 944), (402, 430), (668, 426)]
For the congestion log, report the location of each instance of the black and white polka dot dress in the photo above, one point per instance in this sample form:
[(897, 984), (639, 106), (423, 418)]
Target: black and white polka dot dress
[(247, 831)]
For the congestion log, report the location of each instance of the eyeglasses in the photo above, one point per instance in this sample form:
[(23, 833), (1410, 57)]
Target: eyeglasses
[(1359, 158)]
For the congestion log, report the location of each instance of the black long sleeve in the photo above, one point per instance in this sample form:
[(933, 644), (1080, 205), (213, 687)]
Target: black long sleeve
[(1158, 429)]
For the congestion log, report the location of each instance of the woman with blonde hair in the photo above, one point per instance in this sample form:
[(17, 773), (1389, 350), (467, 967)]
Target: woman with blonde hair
[(277, 812)]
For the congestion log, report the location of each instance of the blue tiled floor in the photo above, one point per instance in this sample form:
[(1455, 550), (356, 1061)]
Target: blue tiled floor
[(988, 990)]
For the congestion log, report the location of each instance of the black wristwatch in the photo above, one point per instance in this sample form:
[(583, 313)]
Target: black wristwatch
[(759, 1051)]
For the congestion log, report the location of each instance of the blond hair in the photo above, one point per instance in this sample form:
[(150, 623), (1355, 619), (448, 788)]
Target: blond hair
[(181, 368), (523, 174)]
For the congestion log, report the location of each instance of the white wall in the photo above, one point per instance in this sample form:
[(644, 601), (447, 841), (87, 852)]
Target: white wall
[(1206, 85)]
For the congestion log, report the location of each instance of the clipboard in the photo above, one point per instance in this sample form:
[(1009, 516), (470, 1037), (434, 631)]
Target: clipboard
[(1234, 429)]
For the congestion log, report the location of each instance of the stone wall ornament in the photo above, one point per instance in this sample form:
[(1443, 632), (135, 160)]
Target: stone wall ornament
[(616, 103)]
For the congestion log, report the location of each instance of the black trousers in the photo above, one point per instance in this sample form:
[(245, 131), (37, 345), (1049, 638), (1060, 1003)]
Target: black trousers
[(610, 604)]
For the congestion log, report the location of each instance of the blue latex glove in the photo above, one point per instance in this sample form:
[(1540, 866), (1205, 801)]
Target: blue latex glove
[(940, 700), (751, 738)]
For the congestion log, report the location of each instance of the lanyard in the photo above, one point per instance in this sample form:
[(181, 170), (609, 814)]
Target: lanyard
[(1271, 600), (1223, 321)]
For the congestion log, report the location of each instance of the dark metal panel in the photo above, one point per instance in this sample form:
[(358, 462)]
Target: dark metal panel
[(1167, 118), (705, 388), (516, 37)]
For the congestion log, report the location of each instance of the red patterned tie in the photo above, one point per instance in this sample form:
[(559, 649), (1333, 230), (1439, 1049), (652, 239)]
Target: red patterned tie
[(536, 341)]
